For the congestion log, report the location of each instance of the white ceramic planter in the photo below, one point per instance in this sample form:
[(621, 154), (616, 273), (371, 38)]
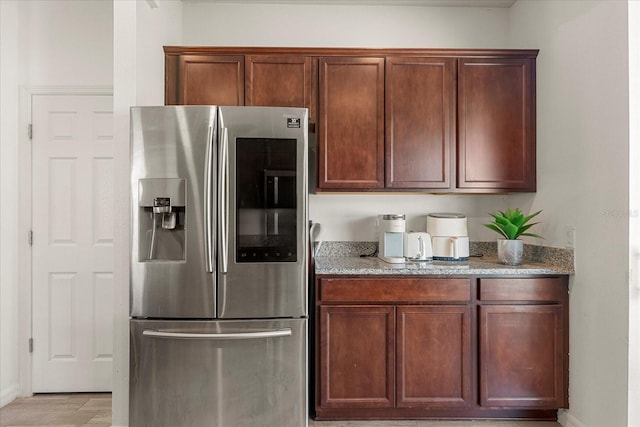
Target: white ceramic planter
[(510, 251)]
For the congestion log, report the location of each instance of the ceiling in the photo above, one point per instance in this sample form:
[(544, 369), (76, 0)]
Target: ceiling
[(439, 3)]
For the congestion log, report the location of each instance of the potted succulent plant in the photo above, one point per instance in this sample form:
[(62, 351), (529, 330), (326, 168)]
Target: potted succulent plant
[(511, 224)]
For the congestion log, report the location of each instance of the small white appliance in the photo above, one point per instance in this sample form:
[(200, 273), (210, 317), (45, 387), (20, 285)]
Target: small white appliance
[(391, 230), (449, 238), (417, 246)]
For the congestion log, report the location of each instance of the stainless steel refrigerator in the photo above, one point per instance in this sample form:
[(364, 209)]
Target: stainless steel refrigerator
[(218, 266)]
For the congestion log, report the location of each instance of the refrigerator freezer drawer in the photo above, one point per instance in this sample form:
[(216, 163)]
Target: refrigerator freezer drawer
[(218, 373)]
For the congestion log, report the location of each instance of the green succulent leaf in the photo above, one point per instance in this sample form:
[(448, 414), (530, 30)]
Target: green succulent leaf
[(512, 223), (496, 229), (517, 219)]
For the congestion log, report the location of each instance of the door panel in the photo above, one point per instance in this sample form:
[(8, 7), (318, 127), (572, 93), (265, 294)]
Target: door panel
[(211, 80), (191, 381), (420, 122), (496, 124), (282, 81), (357, 363), (170, 150), (521, 356), (434, 367), (73, 243), (351, 123), (263, 237)]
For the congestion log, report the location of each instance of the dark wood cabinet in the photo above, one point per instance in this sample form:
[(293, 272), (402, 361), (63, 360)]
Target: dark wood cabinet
[(523, 341), (437, 120), (419, 122), (496, 124), (377, 350), (521, 356), (433, 351), (282, 81), (357, 356), (351, 123), (205, 80), (440, 347)]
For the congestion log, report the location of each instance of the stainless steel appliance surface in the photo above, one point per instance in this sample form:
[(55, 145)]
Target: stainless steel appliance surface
[(219, 262), (219, 373)]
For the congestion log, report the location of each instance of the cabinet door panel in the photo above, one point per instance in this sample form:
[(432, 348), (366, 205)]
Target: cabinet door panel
[(420, 120), (357, 356), (434, 366), (351, 131), (282, 81), (521, 356), (496, 124), (211, 80)]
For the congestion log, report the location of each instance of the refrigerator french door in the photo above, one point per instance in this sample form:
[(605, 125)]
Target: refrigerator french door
[(218, 266)]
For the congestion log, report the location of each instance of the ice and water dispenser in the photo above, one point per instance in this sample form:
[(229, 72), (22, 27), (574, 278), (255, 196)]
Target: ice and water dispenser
[(161, 202)]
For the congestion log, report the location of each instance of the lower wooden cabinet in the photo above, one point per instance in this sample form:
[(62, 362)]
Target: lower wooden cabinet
[(433, 367), (521, 356), (523, 340), (357, 356), (458, 347), (365, 363)]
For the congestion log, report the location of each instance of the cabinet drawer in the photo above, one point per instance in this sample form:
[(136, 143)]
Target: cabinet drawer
[(394, 290), (529, 289)]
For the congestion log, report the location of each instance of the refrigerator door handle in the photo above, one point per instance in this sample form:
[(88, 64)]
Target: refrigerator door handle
[(223, 203), (209, 231), (220, 336)]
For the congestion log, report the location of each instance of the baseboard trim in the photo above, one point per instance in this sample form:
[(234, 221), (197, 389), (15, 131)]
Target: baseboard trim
[(9, 394), (567, 420)]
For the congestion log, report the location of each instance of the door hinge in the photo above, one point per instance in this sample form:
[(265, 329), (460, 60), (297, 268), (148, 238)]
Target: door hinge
[(30, 131), (30, 237), (30, 345)]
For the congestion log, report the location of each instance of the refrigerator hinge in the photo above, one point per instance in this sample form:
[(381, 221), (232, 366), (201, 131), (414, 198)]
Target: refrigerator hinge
[(30, 131), (30, 237), (30, 345)]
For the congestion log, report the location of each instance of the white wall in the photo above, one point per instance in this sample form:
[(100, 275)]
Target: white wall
[(69, 43), (583, 148), (342, 25), (634, 220), (9, 331)]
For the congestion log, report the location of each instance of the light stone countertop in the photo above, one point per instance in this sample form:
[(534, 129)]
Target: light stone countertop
[(343, 258)]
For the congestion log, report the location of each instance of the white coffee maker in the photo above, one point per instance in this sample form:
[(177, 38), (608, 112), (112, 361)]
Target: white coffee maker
[(449, 238), (391, 228)]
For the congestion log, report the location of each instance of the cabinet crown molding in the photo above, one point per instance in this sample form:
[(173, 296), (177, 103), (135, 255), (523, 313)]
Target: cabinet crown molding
[(351, 51)]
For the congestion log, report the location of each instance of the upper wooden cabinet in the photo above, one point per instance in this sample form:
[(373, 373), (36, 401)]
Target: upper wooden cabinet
[(419, 122), (196, 76), (496, 124), (437, 120), (351, 126), (282, 81), (205, 80)]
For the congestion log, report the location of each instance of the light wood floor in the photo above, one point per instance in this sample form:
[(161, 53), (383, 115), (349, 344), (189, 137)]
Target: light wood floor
[(94, 410), (77, 409)]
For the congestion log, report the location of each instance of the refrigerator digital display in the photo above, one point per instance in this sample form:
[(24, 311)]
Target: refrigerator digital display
[(266, 200)]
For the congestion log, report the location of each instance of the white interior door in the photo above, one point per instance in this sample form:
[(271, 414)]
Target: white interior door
[(72, 208)]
